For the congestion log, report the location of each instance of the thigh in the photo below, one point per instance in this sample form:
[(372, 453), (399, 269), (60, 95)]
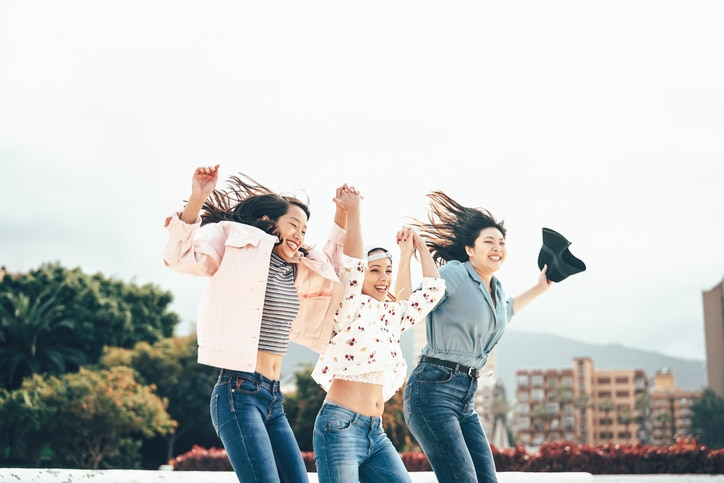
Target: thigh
[(384, 464), (339, 445), (434, 412), (240, 424), (287, 455), (479, 447)]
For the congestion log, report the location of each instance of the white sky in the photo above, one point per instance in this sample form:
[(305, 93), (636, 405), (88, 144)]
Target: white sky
[(601, 120)]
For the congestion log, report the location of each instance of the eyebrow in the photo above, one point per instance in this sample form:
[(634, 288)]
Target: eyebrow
[(298, 220)]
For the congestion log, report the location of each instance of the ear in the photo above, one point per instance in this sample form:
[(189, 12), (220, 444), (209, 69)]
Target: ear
[(468, 250), (265, 217)]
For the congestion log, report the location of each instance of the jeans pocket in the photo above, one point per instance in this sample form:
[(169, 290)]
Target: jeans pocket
[(245, 385), (433, 374), (337, 424)]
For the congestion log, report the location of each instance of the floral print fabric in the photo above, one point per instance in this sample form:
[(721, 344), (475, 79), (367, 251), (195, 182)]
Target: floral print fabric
[(367, 331)]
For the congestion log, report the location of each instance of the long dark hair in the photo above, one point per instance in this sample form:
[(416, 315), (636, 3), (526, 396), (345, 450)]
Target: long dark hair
[(451, 227), (247, 201)]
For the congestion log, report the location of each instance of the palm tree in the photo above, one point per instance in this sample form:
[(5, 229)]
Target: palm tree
[(643, 410), (582, 403), (606, 406), (36, 337), (626, 417)]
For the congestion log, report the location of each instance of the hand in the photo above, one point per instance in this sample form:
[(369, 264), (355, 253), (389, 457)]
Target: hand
[(347, 198), (204, 180), (406, 241), (543, 282)]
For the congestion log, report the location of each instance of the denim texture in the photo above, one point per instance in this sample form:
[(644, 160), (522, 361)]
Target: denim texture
[(247, 414), (440, 412), (351, 448)]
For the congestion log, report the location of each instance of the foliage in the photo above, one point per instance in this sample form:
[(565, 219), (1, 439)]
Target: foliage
[(201, 459), (707, 422), (685, 457), (88, 419), (170, 365), (36, 337), (104, 311), (303, 405)]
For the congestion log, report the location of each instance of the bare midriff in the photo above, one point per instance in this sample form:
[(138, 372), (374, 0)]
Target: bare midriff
[(269, 365), (360, 397)]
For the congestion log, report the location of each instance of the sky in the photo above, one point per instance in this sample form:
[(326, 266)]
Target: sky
[(601, 120)]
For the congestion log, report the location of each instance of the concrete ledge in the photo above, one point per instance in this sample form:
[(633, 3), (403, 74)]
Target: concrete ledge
[(54, 475)]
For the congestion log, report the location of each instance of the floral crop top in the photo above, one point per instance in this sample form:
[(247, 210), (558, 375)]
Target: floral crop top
[(367, 332)]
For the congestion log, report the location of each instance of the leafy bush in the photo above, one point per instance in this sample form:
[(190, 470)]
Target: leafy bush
[(685, 457)]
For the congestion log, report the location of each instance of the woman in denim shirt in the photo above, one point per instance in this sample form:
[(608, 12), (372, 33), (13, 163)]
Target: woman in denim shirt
[(468, 245), (265, 288)]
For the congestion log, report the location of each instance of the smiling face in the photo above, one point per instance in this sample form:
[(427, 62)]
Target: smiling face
[(488, 253), (378, 276), (291, 230)]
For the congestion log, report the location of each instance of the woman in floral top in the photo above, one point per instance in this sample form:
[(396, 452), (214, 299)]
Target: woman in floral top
[(363, 365)]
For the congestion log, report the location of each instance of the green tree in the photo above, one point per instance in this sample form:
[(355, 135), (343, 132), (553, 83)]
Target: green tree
[(393, 422), (606, 406), (89, 419), (707, 420), (642, 405), (170, 365), (302, 406), (582, 402), (37, 337), (667, 423), (105, 311), (625, 416)]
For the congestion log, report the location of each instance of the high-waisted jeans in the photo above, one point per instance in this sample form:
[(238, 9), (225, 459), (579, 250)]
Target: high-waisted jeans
[(351, 448), (247, 413), (440, 412)]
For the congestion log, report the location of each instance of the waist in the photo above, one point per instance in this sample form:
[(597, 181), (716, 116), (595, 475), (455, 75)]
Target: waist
[(236, 378), (470, 371), (332, 409)]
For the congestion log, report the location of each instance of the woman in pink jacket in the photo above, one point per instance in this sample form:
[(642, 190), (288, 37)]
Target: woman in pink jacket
[(266, 287)]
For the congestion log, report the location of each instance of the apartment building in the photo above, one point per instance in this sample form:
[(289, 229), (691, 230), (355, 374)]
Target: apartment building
[(581, 404), (714, 337), (670, 409)]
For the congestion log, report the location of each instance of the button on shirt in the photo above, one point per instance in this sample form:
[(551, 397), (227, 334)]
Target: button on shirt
[(368, 331), (466, 325)]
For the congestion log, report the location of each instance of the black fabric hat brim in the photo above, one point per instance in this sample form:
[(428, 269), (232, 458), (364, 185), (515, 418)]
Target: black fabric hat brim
[(555, 253)]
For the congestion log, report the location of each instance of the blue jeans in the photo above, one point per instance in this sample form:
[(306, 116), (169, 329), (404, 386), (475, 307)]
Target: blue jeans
[(247, 414), (351, 448), (439, 411)]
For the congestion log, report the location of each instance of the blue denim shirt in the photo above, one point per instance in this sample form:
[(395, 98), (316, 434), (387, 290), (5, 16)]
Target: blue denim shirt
[(466, 325)]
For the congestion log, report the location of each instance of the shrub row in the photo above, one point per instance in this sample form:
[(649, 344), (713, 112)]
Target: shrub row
[(685, 457)]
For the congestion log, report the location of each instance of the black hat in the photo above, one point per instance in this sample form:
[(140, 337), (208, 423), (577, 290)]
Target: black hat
[(554, 253)]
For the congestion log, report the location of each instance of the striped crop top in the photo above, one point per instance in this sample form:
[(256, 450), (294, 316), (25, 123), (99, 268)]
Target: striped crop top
[(281, 305)]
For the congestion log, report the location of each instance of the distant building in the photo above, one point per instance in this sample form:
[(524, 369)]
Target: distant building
[(583, 405), (670, 409), (580, 405), (714, 337)]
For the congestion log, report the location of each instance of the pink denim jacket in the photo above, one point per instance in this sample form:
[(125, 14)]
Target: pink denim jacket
[(235, 257)]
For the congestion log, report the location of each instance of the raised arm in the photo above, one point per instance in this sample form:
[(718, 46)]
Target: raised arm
[(203, 183), (347, 199), (532, 293), (429, 267), (403, 280)]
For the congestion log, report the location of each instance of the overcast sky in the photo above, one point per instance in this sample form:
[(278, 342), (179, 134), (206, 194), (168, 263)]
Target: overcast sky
[(601, 120)]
